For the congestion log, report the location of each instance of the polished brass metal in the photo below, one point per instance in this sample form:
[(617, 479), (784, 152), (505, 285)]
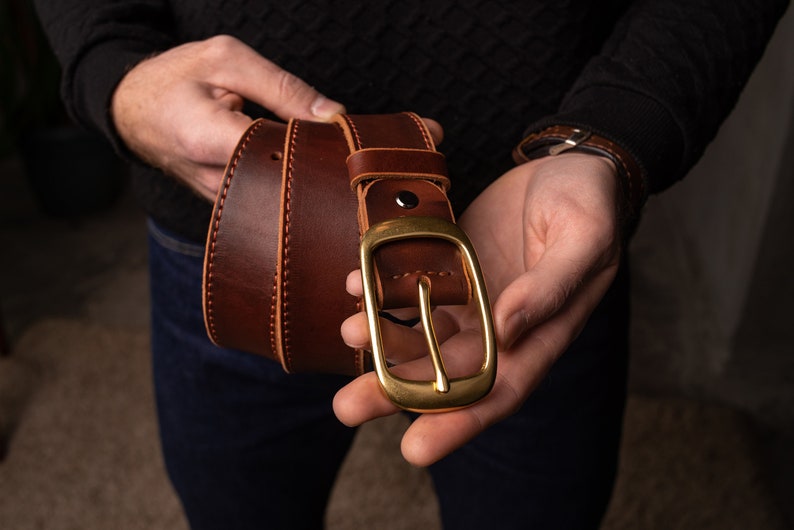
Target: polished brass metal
[(441, 394), (425, 310), (572, 141)]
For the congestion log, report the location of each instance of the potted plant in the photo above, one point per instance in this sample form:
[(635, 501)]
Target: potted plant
[(71, 171)]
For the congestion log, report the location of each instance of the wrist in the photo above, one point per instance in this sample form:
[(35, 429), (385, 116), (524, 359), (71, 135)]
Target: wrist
[(559, 140)]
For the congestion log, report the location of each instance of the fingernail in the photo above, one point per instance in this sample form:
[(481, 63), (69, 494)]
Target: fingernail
[(514, 327), (325, 108)]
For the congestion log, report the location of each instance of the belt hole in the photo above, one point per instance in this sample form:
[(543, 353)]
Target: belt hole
[(406, 199)]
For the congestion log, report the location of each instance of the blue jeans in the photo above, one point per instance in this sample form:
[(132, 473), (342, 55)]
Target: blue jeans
[(249, 447)]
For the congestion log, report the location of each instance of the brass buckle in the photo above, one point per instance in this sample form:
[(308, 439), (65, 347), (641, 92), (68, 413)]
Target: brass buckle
[(443, 393)]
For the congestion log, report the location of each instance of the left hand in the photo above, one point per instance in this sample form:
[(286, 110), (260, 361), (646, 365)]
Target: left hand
[(182, 110), (549, 244)]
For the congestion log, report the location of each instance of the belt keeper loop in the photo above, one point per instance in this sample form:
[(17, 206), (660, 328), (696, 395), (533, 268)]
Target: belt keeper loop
[(402, 163)]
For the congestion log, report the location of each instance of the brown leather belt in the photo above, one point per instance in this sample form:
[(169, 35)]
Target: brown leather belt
[(287, 228)]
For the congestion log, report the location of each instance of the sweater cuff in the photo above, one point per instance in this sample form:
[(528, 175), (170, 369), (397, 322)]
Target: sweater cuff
[(100, 71), (638, 124)]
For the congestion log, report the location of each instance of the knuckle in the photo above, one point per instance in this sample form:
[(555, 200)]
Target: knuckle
[(559, 295), (514, 399), (290, 87), (220, 43), (216, 50)]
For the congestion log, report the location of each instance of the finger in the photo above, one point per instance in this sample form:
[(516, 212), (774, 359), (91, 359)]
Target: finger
[(201, 151), (436, 130), (207, 181), (431, 437), (521, 369), (353, 283), (362, 400), (556, 267), (228, 100), (215, 133), (543, 291), (354, 286), (245, 72), (401, 343)]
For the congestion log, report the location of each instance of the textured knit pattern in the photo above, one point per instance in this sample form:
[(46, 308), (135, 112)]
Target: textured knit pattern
[(656, 76)]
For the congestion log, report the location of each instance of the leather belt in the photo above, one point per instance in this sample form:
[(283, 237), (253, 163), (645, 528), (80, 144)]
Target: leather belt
[(287, 227)]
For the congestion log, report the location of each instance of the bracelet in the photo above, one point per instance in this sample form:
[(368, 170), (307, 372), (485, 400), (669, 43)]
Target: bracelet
[(560, 139)]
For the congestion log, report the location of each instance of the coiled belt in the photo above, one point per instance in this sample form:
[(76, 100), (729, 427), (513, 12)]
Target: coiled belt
[(300, 206)]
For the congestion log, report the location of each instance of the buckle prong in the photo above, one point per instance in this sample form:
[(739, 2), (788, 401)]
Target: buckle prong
[(442, 393), (442, 381)]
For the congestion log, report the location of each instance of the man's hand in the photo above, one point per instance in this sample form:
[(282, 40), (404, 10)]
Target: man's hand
[(181, 110), (548, 241)]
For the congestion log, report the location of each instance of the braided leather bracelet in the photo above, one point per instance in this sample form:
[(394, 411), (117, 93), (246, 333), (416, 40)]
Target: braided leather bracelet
[(560, 139)]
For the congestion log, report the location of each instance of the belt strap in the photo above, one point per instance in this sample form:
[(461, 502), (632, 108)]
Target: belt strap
[(396, 172), (303, 204), (286, 227)]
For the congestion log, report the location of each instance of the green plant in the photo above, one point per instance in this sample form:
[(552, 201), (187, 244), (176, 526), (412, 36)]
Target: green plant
[(29, 96)]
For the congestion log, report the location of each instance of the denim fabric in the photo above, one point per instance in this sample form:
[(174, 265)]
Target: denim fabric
[(245, 444), (248, 446)]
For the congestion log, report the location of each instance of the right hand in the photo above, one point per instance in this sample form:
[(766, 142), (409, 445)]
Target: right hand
[(181, 110), (549, 243)]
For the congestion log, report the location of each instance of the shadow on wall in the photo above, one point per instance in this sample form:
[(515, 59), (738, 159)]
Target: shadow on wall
[(712, 264), (708, 248)]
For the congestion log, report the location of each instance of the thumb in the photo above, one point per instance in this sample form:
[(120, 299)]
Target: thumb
[(260, 80)]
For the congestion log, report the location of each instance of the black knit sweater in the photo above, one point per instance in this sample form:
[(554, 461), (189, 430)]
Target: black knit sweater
[(655, 76)]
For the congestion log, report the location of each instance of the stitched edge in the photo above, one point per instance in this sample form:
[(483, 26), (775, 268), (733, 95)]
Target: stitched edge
[(442, 182), (354, 132), (426, 273), (422, 129), (273, 314), (285, 254), (216, 226)]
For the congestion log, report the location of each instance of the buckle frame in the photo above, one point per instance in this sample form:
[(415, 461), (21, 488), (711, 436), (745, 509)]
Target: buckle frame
[(443, 393)]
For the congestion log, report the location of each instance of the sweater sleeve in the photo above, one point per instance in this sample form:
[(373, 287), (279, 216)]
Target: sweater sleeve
[(96, 42), (667, 77)]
